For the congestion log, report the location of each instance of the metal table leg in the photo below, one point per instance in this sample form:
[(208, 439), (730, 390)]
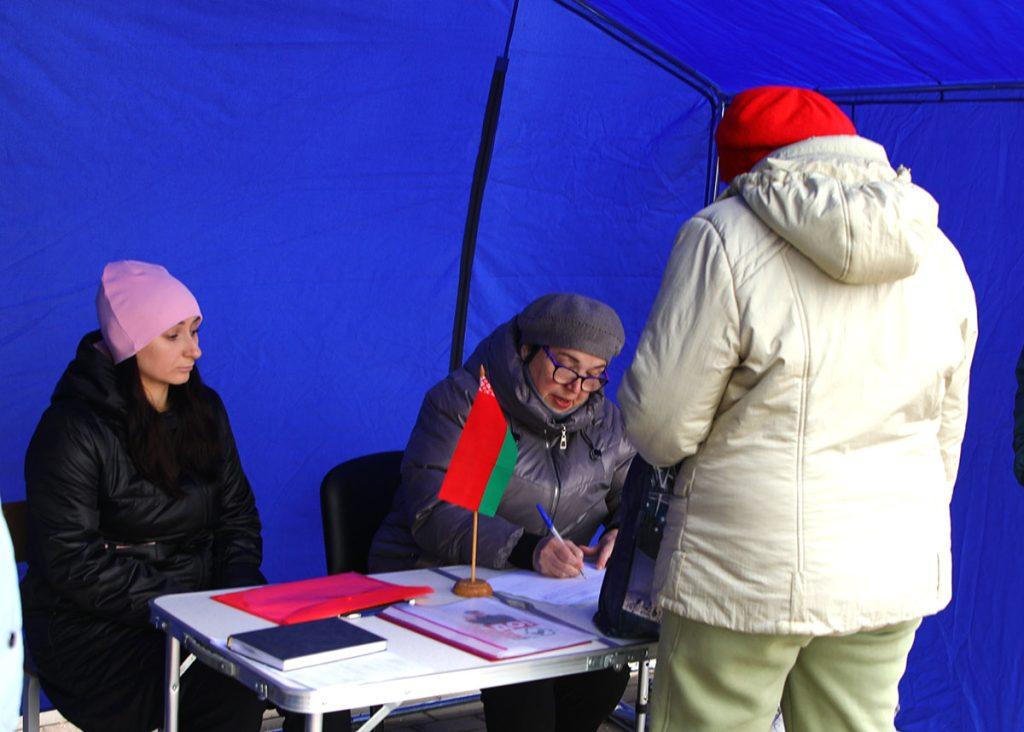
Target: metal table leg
[(314, 722), (643, 689), (378, 716), (30, 703), (173, 684)]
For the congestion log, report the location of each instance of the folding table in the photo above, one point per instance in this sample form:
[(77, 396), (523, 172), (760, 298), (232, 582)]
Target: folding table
[(413, 667)]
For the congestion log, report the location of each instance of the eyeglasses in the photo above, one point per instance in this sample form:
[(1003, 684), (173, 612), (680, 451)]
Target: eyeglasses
[(565, 376)]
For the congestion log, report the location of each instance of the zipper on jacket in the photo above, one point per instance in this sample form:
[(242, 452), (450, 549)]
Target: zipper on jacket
[(558, 477), (563, 442)]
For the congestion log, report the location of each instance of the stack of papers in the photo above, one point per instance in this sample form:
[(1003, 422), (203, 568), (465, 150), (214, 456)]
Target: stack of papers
[(573, 601)]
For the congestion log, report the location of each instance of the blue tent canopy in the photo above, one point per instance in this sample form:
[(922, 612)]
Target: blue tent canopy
[(305, 168), (828, 44)]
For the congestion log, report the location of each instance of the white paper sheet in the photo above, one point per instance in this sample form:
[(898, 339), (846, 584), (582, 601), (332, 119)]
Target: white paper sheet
[(534, 586), (367, 669), (579, 616)]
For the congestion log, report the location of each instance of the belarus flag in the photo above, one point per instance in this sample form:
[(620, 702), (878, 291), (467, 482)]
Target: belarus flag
[(484, 456)]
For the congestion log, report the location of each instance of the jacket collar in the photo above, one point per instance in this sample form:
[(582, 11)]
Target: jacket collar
[(90, 378)]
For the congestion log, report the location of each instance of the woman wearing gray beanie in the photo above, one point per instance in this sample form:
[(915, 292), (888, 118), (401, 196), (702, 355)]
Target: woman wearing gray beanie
[(547, 367)]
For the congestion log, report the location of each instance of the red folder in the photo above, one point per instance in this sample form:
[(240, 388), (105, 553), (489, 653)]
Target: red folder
[(320, 597)]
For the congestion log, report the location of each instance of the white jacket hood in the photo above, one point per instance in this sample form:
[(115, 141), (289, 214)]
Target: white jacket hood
[(840, 203)]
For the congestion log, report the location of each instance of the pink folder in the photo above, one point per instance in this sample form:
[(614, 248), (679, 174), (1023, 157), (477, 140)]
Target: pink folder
[(337, 594)]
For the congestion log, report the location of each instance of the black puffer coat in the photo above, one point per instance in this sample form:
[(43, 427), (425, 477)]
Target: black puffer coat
[(580, 484), (103, 540)]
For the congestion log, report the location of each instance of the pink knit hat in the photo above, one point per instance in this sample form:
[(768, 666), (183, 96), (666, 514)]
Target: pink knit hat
[(138, 301)]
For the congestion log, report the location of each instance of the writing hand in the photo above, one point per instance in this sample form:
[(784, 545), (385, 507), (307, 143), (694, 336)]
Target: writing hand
[(552, 558)]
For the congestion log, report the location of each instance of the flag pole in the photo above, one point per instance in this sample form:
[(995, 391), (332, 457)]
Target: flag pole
[(476, 519), (472, 566), (473, 587)]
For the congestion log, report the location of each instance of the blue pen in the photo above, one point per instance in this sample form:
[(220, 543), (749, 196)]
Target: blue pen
[(554, 531)]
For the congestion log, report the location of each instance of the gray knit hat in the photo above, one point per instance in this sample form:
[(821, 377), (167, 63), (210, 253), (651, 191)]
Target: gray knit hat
[(572, 321)]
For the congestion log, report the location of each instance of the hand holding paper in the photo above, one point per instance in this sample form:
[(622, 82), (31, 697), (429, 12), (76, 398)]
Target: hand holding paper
[(603, 551)]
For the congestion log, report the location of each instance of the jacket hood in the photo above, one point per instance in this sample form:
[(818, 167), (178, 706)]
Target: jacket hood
[(499, 355), (90, 378), (840, 203)]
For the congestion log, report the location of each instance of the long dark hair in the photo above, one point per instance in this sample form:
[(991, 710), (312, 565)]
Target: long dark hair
[(162, 455)]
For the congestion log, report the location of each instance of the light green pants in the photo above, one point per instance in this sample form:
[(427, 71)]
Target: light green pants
[(716, 679)]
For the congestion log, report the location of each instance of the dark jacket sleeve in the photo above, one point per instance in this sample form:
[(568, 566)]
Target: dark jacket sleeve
[(237, 542), (624, 458), (614, 500), (1018, 423), (63, 469), (442, 530)]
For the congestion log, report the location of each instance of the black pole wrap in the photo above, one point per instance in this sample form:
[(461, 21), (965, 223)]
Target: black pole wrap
[(476, 198)]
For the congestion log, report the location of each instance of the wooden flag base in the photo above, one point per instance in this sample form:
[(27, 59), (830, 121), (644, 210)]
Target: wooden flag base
[(472, 588)]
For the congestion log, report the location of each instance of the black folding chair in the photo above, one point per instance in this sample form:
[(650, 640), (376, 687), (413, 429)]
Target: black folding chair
[(354, 499)]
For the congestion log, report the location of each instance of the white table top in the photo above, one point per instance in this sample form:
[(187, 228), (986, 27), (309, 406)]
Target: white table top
[(413, 667)]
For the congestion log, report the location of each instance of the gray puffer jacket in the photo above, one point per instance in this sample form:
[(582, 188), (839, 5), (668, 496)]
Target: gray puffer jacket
[(579, 484)]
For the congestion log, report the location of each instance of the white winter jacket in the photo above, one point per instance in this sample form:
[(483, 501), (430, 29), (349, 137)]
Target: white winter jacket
[(807, 358)]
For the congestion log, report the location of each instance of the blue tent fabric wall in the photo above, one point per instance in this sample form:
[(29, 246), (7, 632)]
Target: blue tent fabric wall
[(300, 167), (305, 169), (966, 664)]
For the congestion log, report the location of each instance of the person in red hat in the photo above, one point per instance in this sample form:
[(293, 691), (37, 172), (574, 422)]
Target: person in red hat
[(806, 361)]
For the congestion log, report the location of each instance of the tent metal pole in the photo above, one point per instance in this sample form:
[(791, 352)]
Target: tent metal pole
[(994, 91), (476, 197), (711, 176), (923, 89), (868, 101)]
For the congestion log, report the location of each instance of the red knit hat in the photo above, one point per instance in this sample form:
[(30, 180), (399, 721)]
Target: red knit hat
[(759, 121)]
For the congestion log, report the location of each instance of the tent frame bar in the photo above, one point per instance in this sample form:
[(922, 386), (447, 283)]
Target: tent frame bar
[(940, 89), (868, 101)]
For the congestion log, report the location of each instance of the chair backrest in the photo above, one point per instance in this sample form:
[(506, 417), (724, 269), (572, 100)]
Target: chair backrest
[(354, 499), (16, 516)]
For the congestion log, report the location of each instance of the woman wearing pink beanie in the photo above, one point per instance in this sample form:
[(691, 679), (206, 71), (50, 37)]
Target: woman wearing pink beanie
[(135, 490)]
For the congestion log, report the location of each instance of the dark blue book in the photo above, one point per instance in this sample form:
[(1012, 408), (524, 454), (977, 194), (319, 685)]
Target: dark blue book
[(289, 647)]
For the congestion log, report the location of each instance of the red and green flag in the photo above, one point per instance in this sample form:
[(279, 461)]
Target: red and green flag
[(484, 456)]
